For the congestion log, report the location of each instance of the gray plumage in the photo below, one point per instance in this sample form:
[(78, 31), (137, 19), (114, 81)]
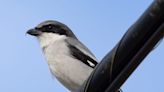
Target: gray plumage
[(68, 59)]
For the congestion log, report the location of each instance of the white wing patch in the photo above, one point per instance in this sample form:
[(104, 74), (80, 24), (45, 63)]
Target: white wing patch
[(90, 63)]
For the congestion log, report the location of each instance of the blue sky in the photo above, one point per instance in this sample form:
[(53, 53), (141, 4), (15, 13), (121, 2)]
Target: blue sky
[(98, 24)]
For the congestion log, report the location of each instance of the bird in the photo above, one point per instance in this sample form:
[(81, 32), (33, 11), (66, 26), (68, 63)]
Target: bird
[(69, 60)]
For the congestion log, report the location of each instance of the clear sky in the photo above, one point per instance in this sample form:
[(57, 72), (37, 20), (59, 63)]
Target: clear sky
[(99, 24)]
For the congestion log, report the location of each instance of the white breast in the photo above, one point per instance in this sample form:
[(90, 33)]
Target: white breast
[(68, 70)]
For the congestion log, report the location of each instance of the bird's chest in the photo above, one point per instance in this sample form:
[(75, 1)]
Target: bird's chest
[(57, 55), (68, 70)]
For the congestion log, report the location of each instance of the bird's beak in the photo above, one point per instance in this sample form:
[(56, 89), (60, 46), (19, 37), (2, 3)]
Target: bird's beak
[(34, 32)]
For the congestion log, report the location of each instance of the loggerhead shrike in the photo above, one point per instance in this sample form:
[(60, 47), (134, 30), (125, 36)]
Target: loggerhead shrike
[(69, 60)]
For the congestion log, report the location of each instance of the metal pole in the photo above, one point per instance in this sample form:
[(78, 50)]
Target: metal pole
[(136, 60), (124, 58)]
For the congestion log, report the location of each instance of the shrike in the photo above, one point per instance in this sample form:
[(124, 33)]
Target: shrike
[(69, 60)]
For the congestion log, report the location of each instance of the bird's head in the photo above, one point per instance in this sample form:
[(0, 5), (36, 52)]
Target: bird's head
[(50, 31)]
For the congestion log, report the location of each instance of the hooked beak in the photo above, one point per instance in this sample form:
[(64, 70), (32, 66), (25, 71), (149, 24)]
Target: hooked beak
[(34, 32)]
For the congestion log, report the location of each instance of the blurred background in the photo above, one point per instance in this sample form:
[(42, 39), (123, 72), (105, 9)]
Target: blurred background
[(98, 24)]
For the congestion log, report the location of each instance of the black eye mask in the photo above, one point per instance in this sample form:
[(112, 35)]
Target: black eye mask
[(57, 28), (53, 29)]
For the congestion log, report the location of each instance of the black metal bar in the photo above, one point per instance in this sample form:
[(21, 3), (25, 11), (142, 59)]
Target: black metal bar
[(136, 60), (107, 75)]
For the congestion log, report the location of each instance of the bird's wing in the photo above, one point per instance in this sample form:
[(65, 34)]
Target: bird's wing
[(82, 53)]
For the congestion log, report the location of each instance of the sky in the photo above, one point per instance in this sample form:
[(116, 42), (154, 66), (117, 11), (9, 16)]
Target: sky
[(98, 24)]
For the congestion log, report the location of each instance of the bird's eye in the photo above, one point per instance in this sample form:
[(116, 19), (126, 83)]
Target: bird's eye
[(49, 27)]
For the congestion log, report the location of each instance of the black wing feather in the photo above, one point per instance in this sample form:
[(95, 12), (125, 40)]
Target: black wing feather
[(81, 56)]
